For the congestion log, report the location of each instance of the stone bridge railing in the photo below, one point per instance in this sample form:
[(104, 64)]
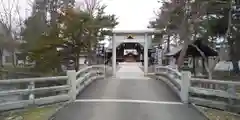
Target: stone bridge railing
[(47, 90), (210, 93)]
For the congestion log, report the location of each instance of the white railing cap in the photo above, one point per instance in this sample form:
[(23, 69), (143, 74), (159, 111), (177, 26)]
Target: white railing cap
[(165, 67), (39, 79), (216, 81)]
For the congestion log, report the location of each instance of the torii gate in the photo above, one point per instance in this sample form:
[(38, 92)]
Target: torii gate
[(144, 37)]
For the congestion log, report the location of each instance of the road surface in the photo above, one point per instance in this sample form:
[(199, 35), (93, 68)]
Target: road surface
[(128, 96)]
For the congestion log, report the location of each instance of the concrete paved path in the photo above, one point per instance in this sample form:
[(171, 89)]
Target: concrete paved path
[(129, 96), (130, 71)]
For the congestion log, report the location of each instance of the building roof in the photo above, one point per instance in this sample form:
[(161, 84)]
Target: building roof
[(130, 53), (149, 31), (192, 51), (173, 50), (109, 47)]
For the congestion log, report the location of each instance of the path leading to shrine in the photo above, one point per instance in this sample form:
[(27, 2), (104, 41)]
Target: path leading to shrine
[(128, 96)]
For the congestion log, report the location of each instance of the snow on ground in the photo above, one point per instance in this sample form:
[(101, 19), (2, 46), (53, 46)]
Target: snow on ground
[(224, 66)]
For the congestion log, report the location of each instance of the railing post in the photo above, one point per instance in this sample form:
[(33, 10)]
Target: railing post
[(72, 82), (31, 96), (155, 69), (98, 71), (185, 85), (232, 94)]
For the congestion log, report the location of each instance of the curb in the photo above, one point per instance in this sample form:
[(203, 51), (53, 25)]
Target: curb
[(204, 114), (200, 111), (58, 109)]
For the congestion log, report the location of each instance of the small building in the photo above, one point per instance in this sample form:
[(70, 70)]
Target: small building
[(129, 42), (6, 55), (193, 58), (130, 57)]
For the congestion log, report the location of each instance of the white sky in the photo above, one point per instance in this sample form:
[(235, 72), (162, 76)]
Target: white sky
[(132, 14)]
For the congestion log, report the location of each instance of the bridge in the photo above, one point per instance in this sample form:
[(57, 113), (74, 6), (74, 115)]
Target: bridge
[(124, 91), (128, 96)]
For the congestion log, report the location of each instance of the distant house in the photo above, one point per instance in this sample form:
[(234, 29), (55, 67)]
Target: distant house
[(6, 57)]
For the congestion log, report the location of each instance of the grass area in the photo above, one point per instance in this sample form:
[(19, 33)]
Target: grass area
[(36, 113), (213, 114), (17, 68)]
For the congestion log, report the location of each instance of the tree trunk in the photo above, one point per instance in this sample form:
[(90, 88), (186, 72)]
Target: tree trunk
[(168, 47), (1, 58), (205, 63), (194, 66), (76, 64), (233, 57), (234, 62), (183, 33), (235, 66), (168, 43), (13, 59), (203, 66), (181, 57)]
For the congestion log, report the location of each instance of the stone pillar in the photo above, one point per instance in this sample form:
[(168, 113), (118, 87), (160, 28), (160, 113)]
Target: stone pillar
[(114, 55), (146, 54), (72, 82), (185, 85), (159, 56)]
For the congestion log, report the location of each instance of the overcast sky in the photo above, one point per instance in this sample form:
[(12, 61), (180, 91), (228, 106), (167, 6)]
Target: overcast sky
[(132, 14)]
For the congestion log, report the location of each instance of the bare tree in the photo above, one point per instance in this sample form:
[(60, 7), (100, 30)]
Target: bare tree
[(11, 18), (190, 30), (193, 11), (91, 5), (7, 20)]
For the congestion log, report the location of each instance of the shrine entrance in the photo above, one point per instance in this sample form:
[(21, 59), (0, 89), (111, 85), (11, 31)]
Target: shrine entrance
[(130, 57), (128, 51), (137, 38)]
